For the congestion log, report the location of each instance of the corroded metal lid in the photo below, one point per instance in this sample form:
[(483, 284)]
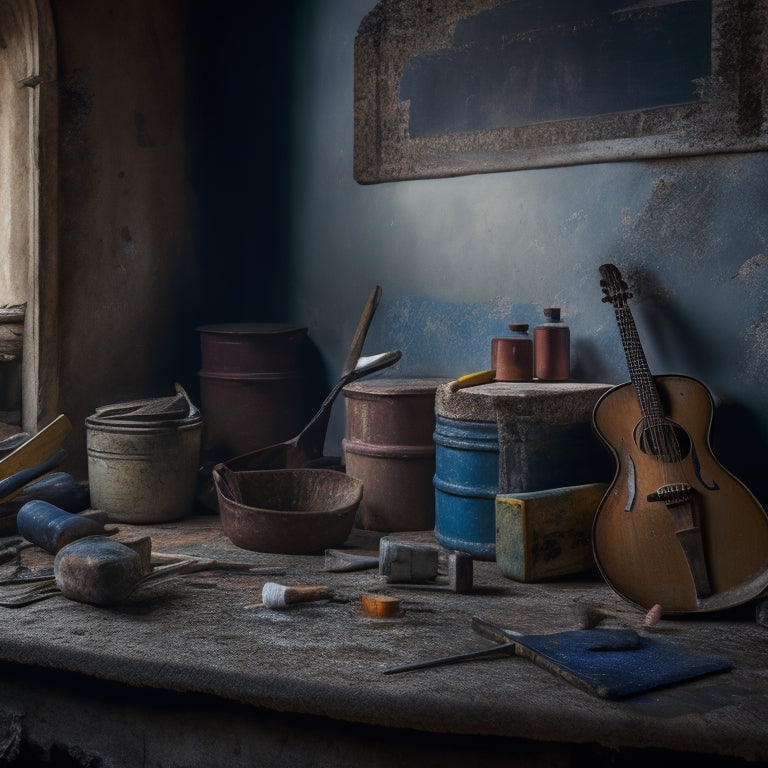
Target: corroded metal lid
[(393, 387), (245, 329)]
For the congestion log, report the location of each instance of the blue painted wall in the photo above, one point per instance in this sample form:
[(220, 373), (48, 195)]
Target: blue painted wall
[(459, 258)]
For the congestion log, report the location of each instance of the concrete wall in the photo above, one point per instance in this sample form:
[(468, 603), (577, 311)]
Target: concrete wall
[(206, 176), (460, 258), (127, 265)]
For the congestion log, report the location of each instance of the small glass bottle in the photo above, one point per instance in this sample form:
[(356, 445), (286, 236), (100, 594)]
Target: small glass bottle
[(552, 348), (512, 356)]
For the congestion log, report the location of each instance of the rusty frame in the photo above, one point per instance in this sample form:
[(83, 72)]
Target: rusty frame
[(731, 117)]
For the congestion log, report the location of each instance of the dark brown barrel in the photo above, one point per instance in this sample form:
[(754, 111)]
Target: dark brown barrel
[(389, 446), (251, 384)]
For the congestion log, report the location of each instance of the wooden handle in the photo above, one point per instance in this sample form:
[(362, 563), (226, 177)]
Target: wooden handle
[(362, 330), (275, 595), (307, 594)]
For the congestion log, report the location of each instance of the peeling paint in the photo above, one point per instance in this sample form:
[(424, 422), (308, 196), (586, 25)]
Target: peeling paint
[(456, 336), (573, 223), (751, 267)]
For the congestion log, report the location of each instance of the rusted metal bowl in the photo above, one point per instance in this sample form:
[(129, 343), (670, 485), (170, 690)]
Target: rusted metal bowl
[(287, 511)]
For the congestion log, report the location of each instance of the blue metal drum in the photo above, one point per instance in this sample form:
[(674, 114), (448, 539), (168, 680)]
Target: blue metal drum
[(466, 483)]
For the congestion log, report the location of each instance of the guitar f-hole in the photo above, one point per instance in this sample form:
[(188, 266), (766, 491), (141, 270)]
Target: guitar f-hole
[(712, 485)]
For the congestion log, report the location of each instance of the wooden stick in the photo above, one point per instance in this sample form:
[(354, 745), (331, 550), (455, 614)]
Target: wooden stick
[(338, 561)]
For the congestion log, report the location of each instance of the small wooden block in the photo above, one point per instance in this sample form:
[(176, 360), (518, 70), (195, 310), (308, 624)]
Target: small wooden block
[(543, 534), (380, 606), (460, 572)]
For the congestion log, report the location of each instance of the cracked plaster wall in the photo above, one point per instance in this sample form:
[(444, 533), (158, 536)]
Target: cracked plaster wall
[(459, 258)]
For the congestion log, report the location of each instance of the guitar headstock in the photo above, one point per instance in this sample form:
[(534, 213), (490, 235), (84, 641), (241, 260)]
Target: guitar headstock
[(613, 285)]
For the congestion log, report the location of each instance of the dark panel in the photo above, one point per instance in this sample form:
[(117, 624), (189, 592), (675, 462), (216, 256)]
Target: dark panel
[(529, 61)]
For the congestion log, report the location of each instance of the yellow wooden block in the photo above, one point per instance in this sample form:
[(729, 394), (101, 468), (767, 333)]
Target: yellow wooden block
[(543, 534)]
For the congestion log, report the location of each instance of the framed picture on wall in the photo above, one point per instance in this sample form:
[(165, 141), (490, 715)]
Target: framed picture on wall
[(451, 87)]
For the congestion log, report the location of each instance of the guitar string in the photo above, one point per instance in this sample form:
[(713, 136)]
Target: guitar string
[(656, 428), (663, 443)]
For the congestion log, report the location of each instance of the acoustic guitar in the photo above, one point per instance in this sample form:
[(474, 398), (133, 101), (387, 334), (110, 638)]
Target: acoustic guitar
[(675, 528)]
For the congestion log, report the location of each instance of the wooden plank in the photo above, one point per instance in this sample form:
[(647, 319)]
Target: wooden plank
[(13, 313), (36, 450)]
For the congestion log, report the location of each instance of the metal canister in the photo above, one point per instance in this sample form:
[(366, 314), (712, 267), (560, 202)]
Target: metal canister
[(388, 445), (143, 472), (250, 386), (552, 347), (512, 356), (466, 482)]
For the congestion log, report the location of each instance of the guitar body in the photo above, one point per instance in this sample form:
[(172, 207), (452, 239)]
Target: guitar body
[(635, 540)]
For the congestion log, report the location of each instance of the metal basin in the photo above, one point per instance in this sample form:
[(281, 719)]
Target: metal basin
[(287, 511)]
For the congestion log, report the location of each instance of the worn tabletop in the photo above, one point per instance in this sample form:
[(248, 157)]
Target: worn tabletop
[(208, 633)]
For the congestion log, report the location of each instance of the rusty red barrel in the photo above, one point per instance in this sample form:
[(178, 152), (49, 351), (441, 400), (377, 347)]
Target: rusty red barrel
[(250, 386), (389, 446)]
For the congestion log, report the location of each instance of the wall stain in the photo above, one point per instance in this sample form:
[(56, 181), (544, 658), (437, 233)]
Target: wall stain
[(756, 337), (76, 107), (143, 137), (440, 332), (572, 224), (127, 248)]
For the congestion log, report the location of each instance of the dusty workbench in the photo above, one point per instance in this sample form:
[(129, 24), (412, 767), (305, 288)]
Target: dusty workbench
[(193, 670)]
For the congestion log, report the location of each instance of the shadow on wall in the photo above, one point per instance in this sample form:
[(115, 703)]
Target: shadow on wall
[(738, 444), (238, 118)]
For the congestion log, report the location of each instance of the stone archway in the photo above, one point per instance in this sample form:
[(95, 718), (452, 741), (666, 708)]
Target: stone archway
[(28, 196)]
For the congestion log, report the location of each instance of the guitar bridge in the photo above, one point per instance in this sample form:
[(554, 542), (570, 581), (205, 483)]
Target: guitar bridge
[(672, 494), (678, 498)]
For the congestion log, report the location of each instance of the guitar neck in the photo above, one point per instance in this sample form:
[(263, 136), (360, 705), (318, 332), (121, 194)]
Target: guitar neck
[(639, 372)]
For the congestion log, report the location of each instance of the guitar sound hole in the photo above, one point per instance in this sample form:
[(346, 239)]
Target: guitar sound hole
[(667, 442)]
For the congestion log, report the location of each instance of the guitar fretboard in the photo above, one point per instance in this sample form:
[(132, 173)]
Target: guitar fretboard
[(639, 372)]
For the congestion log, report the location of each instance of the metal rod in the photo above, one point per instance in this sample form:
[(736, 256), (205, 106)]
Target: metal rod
[(503, 648)]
